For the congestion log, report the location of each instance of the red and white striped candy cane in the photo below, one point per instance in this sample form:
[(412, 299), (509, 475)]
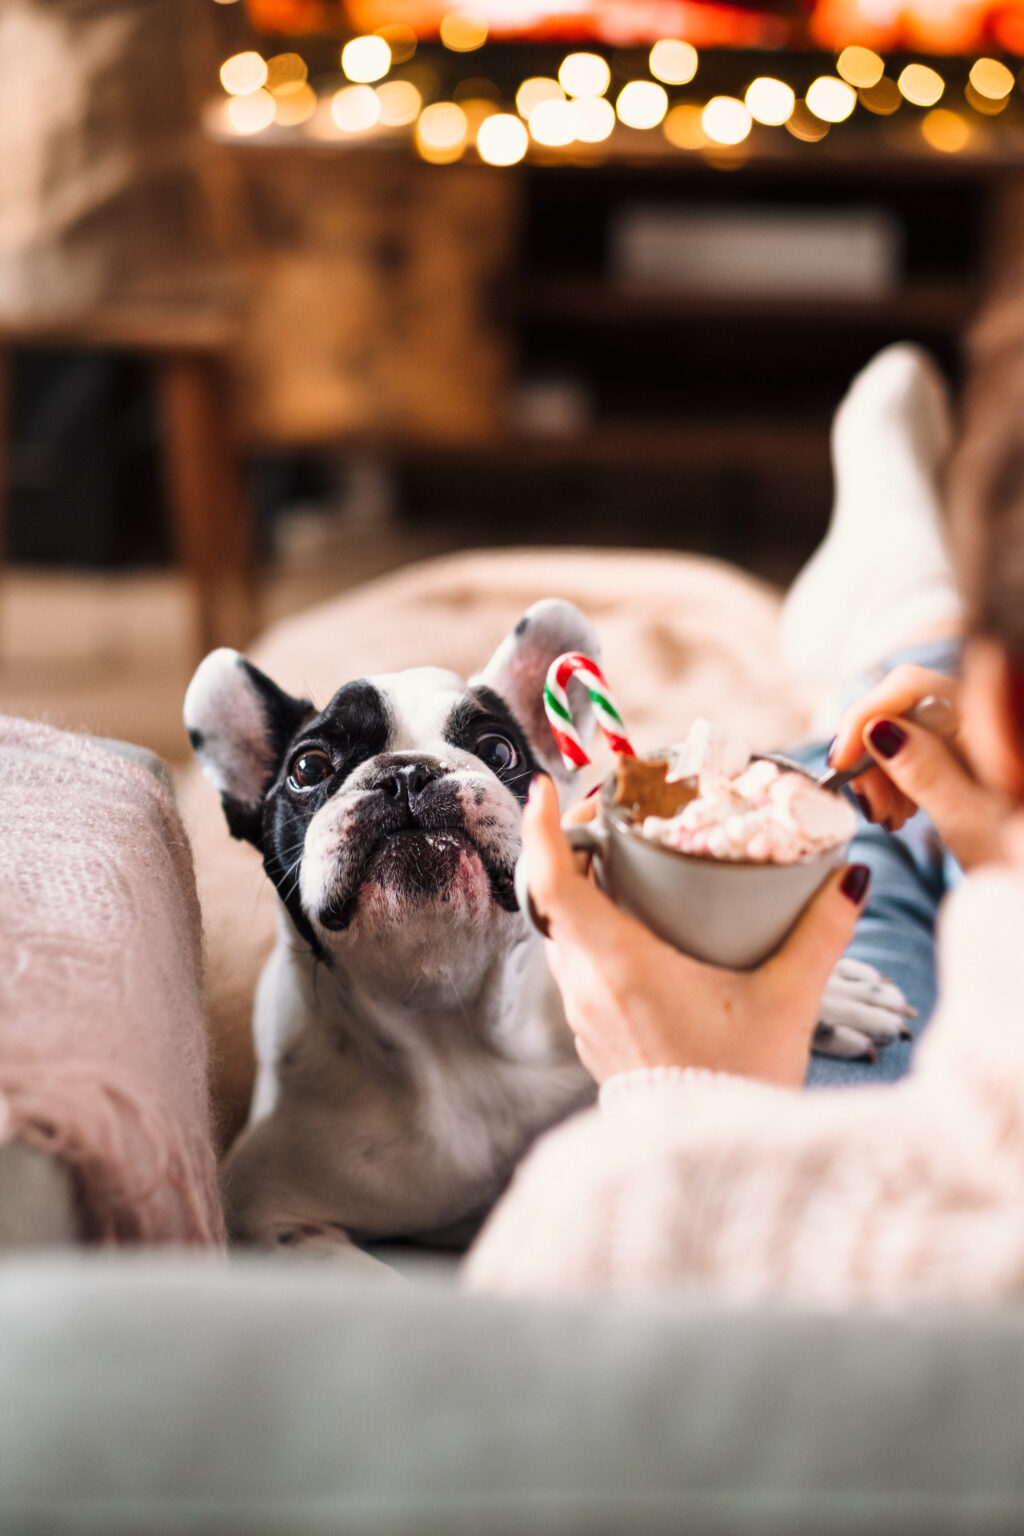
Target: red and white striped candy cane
[(556, 705)]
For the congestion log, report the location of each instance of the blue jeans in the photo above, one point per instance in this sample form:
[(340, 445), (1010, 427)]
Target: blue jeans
[(911, 871)]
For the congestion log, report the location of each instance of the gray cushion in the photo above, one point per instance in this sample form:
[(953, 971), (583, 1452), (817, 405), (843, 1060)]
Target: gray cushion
[(168, 1395)]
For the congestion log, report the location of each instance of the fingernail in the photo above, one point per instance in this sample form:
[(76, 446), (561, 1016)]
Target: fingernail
[(538, 919), (592, 792), (854, 883), (863, 805), (831, 748), (887, 738)]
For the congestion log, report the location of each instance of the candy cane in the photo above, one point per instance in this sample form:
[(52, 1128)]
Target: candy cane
[(556, 705)]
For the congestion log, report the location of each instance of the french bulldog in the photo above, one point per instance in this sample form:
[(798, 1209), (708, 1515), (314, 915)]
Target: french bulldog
[(410, 1041)]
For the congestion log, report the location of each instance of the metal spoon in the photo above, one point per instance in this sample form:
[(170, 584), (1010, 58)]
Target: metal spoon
[(933, 712)]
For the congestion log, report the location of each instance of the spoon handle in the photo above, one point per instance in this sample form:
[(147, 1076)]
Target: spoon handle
[(933, 712)]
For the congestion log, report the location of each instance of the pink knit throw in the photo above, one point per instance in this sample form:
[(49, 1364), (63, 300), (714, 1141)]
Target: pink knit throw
[(102, 1043)]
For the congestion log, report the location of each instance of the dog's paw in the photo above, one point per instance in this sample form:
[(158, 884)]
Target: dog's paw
[(307, 1240), (861, 1010)]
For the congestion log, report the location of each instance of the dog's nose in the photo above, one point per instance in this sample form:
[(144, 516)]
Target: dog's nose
[(405, 781)]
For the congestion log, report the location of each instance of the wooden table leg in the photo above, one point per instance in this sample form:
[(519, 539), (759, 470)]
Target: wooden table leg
[(211, 518)]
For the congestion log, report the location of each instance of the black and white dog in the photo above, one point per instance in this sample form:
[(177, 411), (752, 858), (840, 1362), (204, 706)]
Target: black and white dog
[(410, 1041)]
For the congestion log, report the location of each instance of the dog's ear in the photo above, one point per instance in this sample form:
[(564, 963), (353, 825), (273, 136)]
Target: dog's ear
[(519, 666), (240, 724)]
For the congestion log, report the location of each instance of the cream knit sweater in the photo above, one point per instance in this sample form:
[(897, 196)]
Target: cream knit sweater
[(724, 1186)]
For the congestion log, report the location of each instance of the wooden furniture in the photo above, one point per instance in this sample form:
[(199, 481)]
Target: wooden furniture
[(188, 350)]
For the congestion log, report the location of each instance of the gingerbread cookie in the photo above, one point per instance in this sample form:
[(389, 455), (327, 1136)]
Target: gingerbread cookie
[(641, 786)]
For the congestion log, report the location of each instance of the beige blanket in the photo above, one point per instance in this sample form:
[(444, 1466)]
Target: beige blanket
[(682, 636)]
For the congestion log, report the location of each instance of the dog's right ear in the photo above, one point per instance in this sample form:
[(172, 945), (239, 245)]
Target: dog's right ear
[(240, 724)]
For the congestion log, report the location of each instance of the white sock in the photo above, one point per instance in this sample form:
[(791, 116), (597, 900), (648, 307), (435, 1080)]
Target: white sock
[(882, 576)]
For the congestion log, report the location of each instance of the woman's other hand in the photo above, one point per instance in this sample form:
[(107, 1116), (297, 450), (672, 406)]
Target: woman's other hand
[(917, 768), (633, 1001)]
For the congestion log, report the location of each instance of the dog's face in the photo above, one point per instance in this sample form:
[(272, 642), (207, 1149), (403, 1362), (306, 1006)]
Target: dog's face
[(396, 809)]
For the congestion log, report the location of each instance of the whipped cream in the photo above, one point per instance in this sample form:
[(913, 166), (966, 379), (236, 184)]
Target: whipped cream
[(747, 809)]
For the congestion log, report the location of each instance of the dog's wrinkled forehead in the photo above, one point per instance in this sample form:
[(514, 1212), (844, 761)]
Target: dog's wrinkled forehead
[(394, 712)]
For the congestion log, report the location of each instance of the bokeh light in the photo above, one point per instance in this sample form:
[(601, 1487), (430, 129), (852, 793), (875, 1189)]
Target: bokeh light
[(882, 99), (945, 130), (400, 103), (988, 106), (584, 74), (252, 112), (553, 123), (355, 108), (684, 127), (594, 118), (991, 78), (402, 41), (860, 67), (294, 104), (673, 61), (533, 91), (769, 101), (726, 120), (365, 59), (463, 32), (641, 104), (243, 73), (803, 125), (285, 70), (441, 132), (921, 85), (502, 139), (831, 99)]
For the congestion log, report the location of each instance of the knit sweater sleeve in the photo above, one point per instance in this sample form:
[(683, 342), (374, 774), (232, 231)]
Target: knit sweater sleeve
[(828, 1197)]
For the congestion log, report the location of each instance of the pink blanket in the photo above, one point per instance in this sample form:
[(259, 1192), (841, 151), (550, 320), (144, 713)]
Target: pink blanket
[(102, 1044)]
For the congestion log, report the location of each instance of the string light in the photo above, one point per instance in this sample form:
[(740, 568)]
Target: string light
[(441, 132), (831, 99), (285, 71), (673, 62), (769, 101), (726, 120), (243, 73), (502, 139), (921, 85), (584, 75), (805, 126), (860, 67), (641, 104), (365, 59)]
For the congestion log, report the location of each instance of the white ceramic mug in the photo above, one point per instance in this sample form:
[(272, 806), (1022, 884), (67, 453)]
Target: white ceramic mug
[(727, 912)]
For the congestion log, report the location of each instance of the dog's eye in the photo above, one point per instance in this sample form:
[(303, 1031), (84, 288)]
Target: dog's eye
[(309, 769), (497, 752)]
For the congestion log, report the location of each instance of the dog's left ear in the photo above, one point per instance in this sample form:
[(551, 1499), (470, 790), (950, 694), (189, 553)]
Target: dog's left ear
[(519, 666), (240, 723)]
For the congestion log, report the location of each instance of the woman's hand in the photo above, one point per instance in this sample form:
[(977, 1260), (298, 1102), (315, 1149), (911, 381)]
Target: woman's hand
[(916, 768), (633, 1001)]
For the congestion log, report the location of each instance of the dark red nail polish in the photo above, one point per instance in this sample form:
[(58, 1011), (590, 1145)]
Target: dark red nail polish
[(592, 792), (854, 883), (863, 805), (887, 738)]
